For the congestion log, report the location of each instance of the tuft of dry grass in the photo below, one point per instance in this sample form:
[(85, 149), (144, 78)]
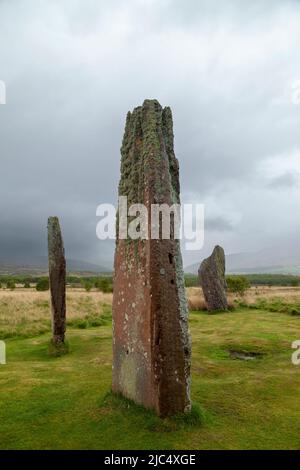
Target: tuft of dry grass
[(196, 301), (26, 312)]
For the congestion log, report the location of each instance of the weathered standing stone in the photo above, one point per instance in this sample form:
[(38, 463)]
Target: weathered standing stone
[(213, 281), (151, 344), (57, 278)]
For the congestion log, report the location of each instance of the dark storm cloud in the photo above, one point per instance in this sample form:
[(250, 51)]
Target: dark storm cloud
[(74, 68)]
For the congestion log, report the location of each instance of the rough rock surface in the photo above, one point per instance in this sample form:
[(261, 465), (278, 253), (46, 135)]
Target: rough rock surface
[(57, 278), (151, 342), (213, 281)]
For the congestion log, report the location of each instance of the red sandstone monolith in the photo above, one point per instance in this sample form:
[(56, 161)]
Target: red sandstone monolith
[(151, 342), (212, 279), (57, 279)]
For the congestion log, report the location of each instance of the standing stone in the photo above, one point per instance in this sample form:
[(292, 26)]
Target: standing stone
[(57, 278), (151, 343), (213, 281)]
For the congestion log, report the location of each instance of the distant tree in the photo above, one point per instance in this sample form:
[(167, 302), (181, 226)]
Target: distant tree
[(104, 284), (87, 285), (294, 283), (0, 285), (27, 285), (10, 284), (191, 280), (237, 284), (42, 284)]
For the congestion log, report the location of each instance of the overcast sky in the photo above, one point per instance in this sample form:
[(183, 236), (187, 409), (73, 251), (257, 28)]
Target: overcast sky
[(73, 68)]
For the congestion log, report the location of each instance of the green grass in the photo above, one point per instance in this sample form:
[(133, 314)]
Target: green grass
[(274, 305), (65, 402)]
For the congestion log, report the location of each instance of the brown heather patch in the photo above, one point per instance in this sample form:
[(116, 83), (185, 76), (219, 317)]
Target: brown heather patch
[(286, 294)]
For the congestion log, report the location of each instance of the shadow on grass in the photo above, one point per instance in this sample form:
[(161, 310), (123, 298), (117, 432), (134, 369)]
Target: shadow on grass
[(112, 402)]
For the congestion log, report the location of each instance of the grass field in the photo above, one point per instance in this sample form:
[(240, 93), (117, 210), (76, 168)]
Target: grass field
[(65, 403), (25, 312), (284, 295)]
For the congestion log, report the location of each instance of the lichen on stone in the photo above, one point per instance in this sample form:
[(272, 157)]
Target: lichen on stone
[(149, 274)]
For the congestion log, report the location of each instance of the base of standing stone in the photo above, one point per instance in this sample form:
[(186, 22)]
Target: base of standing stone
[(193, 417), (58, 349)]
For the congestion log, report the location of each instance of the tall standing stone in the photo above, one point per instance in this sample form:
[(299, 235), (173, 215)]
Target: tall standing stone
[(57, 278), (213, 281), (151, 344)]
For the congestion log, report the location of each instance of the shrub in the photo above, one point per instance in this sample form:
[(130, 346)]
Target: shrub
[(11, 284), (27, 285), (87, 285), (237, 284), (104, 284), (42, 284), (191, 280)]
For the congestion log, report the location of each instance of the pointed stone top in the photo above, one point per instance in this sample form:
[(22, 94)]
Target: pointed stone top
[(53, 223), (55, 240), (150, 106), (148, 158), (218, 252)]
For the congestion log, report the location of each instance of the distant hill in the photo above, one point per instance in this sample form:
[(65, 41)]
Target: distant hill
[(39, 267), (262, 262), (77, 265)]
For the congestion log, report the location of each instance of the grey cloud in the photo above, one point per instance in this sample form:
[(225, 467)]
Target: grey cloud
[(73, 69), (285, 181), (218, 224)]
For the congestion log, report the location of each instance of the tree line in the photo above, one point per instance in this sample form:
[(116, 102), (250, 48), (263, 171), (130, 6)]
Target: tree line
[(41, 283), (235, 282)]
